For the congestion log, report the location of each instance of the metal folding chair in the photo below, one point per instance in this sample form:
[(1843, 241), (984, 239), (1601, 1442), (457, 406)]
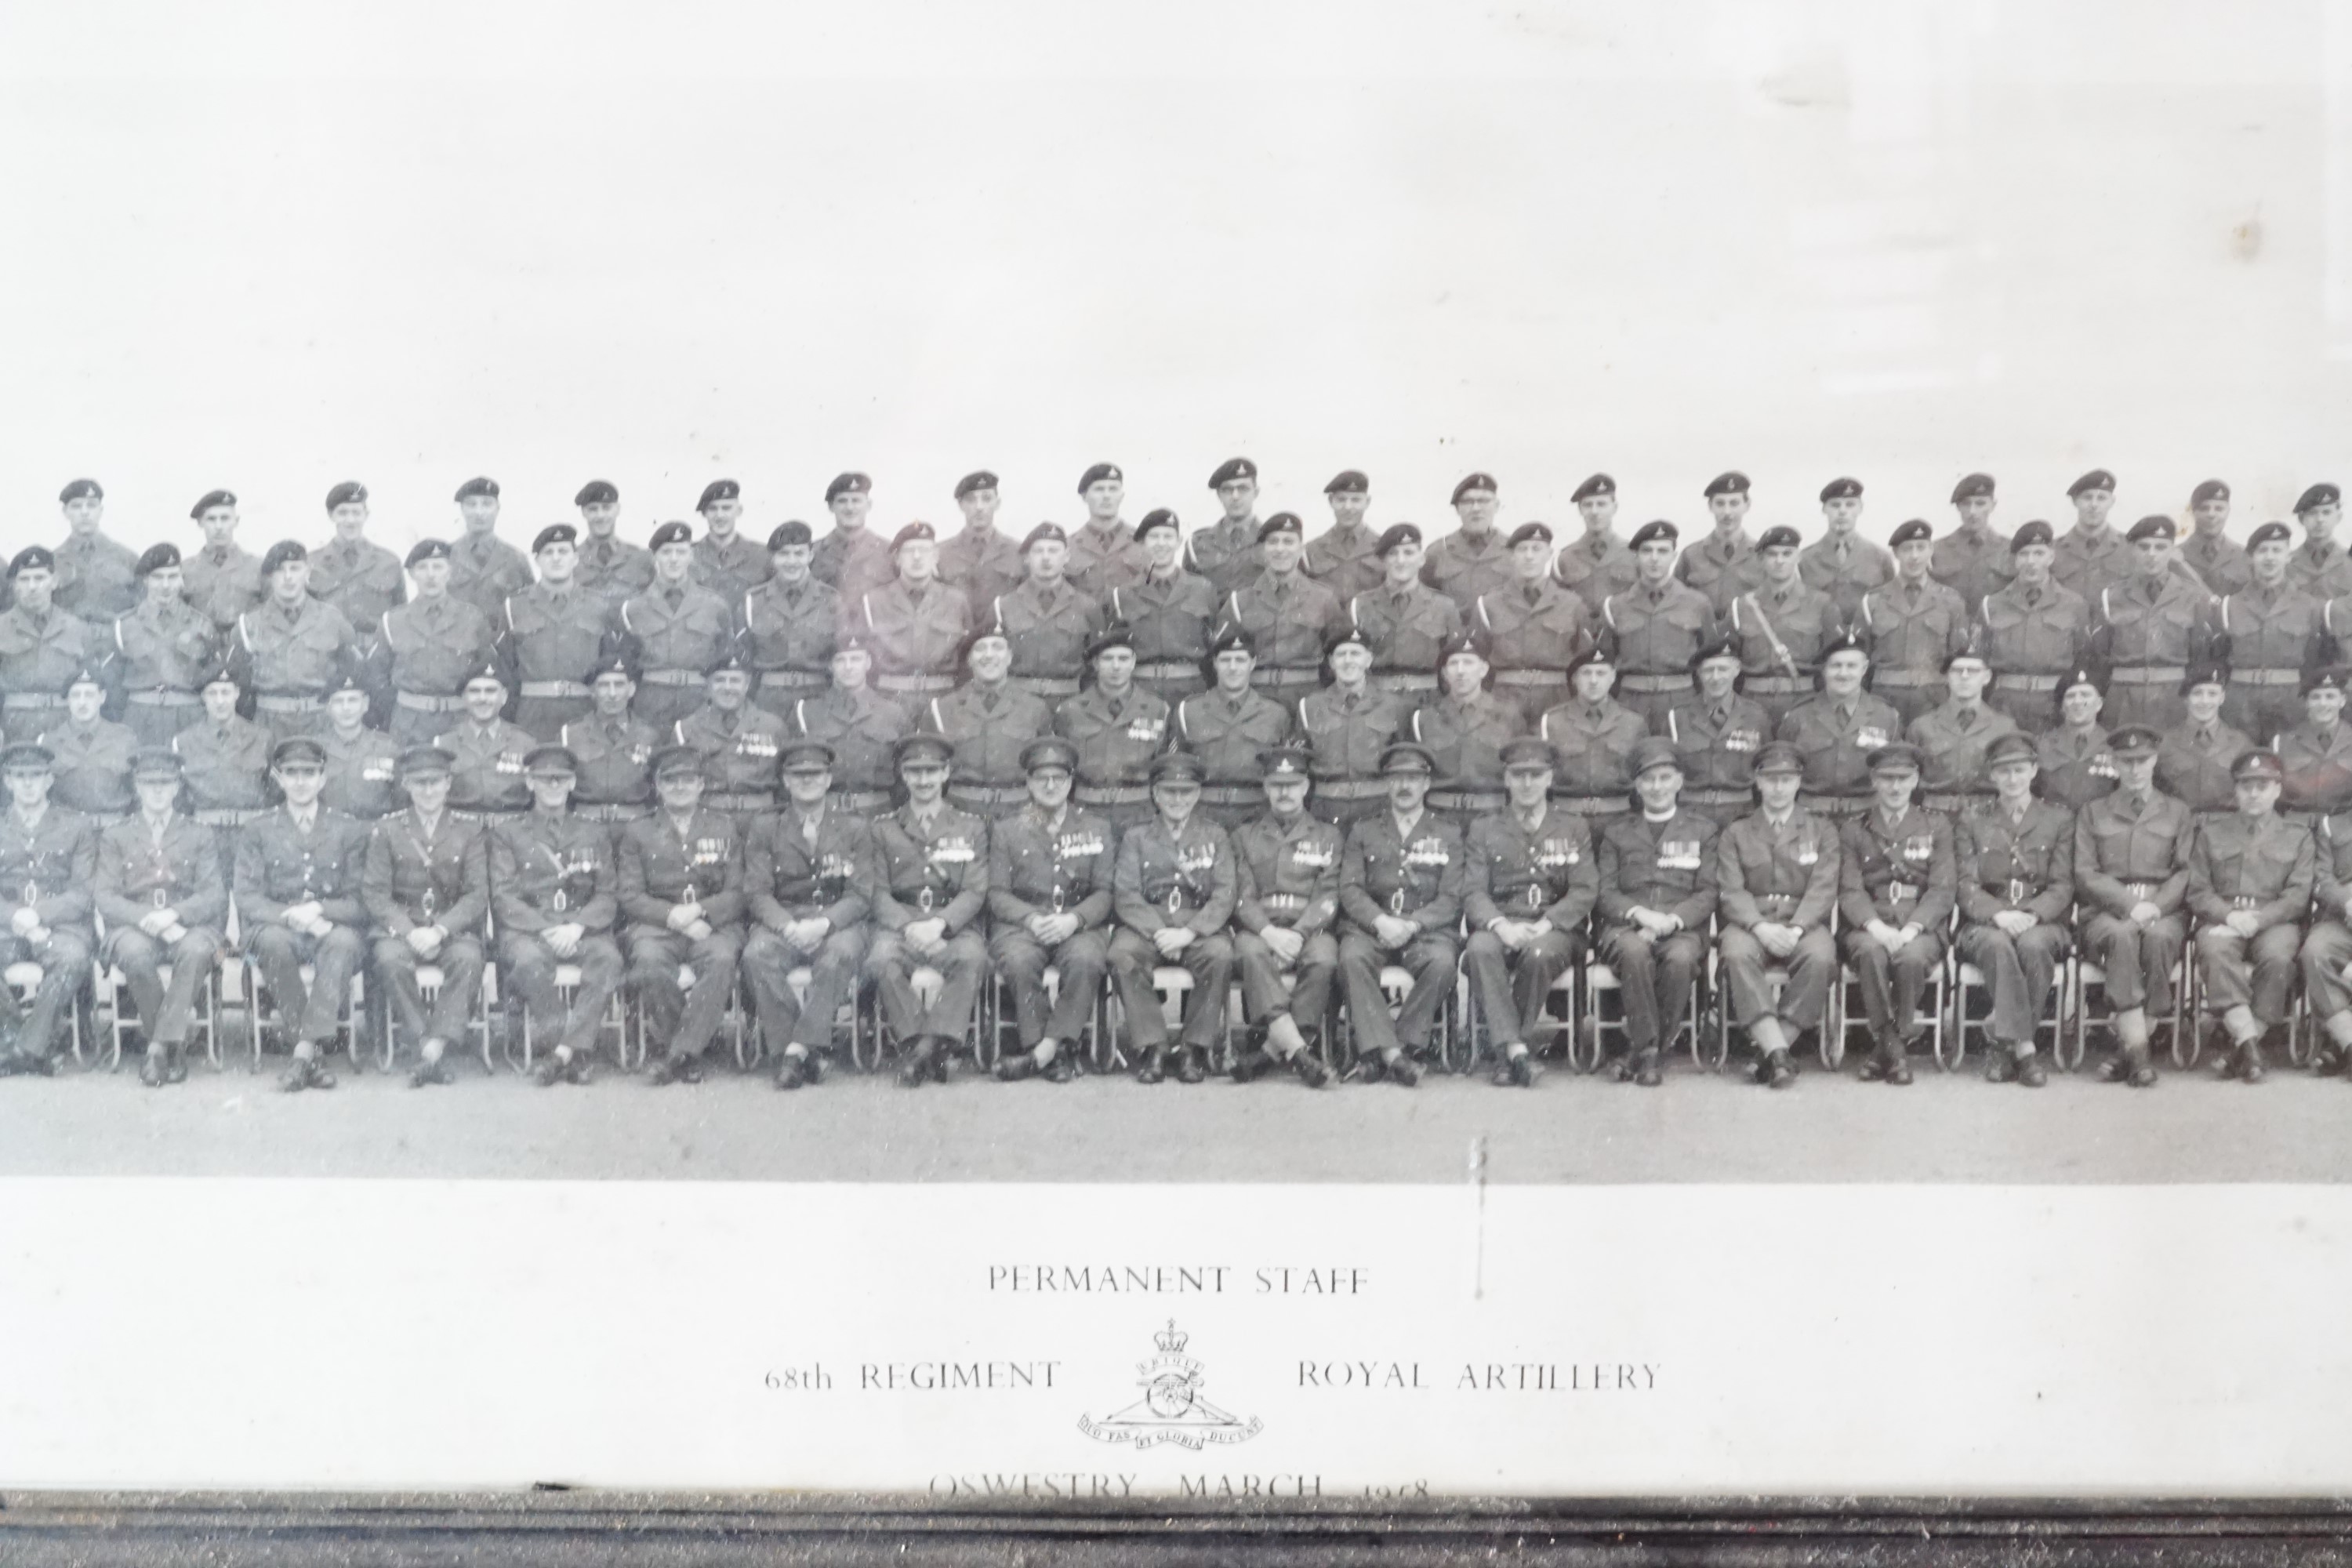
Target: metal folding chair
[(1097, 1052), (1935, 1002), (870, 1042), (348, 1019), (429, 979), (731, 1020), (26, 978), (567, 986), (1589, 1044), (123, 1017)]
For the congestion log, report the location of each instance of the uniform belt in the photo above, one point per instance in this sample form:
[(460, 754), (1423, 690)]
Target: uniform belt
[(1285, 675), (32, 699), (1048, 685), (610, 811), (424, 704), (1593, 805), (1956, 799), (1529, 678), (2013, 681), (290, 702), (553, 688), (230, 815), (988, 794), (1167, 669), (2148, 674), (1906, 677), (796, 679), (2266, 676), (1778, 685), (861, 800), (1897, 892), (1111, 795), (1351, 789), (1840, 804), (672, 678), (2019, 891), (164, 699), (922, 681), (1466, 799), (1232, 795), (1654, 682), (1404, 680), (1715, 796), (739, 799)]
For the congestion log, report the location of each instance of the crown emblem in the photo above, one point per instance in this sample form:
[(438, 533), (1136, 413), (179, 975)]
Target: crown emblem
[(1171, 1340)]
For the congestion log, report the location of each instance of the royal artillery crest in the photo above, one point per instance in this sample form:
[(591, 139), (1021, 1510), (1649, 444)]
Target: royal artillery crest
[(1171, 1409)]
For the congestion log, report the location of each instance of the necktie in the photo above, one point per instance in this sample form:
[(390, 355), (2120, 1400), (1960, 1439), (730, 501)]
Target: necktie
[(988, 702), (2138, 804), (1911, 592), (808, 830), (1968, 719), (2205, 739), (1535, 592), (1844, 552), (1349, 706), (1118, 709), (1722, 716), (673, 597)]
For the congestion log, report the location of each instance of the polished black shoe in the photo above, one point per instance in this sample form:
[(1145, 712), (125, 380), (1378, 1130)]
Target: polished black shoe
[(915, 1070), (2326, 1058), (1013, 1068), (2030, 1072), (1310, 1068), (2002, 1067), (1899, 1072), (1154, 1066), (1872, 1068), (793, 1072), (24, 1064), (1780, 1072), (150, 1070), (1400, 1070), (1647, 1073), (551, 1071), (305, 1073), (2138, 1070), (1515, 1072), (1188, 1066), (583, 1070), (430, 1072), (673, 1069), (1062, 1068), (942, 1061), (2250, 1062), (1252, 1065), (175, 1064)]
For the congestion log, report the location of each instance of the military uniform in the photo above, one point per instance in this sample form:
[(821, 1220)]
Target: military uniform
[(739, 754), (2219, 562), (2077, 766), (2033, 638), (1792, 621), (1288, 877), (1513, 872), (1037, 867), (1106, 556), (410, 880), (662, 867), (934, 870), (681, 632), (2089, 559), (1163, 879), (1115, 742), (48, 868), (1783, 874), (552, 638), (487, 775), (852, 561), (1048, 629), (1226, 553), (2124, 858), (1955, 742), (860, 725), (93, 768), (279, 866), (1655, 632), (987, 729), (2192, 765), (1974, 562), (1348, 734), (796, 869), (981, 561), (2148, 637), (423, 655), (1288, 620), (1461, 567), (2327, 946), (730, 567), (2025, 864), (363, 580), (1593, 567), (36, 658), (2318, 768), (1227, 735), (2267, 638), (1405, 631), (1836, 737), (2263, 864), (1171, 621), (916, 639), (1913, 628), (790, 630), (2321, 568), (224, 770), (1346, 558), (140, 871), (1845, 570), (1533, 635), (1466, 735), (553, 870), (1419, 875), (164, 650), (485, 572), (1716, 744), (96, 577), (1902, 872), (1592, 755), (290, 659), (223, 582), (1667, 867), (612, 568)]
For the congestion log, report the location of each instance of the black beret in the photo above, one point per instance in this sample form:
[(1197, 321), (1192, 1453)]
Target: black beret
[(1842, 489), (211, 499), (912, 533), (787, 535), (348, 676), (2268, 531), (1052, 531), (1971, 485), (1049, 751), (2155, 525), (220, 675), (613, 659), (2096, 479), (1659, 529), (555, 533), (1234, 469), (428, 550), (1461, 643), (1281, 523), (1348, 482), (978, 479), (597, 492), (1097, 474), (2334, 676), (489, 669), (279, 553), (1909, 529), (1724, 647), (733, 657), (298, 749), (1968, 649), (1231, 636), (1597, 485), (980, 634), (1780, 536), (1850, 640), (1597, 654), (1157, 517), (1731, 482), (719, 490), (1117, 634), (2035, 532), (1395, 535), (347, 493), (847, 484), (478, 486), (1474, 482), (670, 534), (1342, 636), (852, 640), (85, 675), (2206, 674), (158, 556), (1531, 531), (2318, 495), (2210, 489), (80, 490)]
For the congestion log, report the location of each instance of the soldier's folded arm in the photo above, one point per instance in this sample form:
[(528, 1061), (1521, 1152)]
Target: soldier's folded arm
[(2050, 905), (971, 897), (759, 875), (71, 904), (1738, 905), (1249, 909), (1976, 903), (1820, 887), (2204, 901), (1478, 904), (2174, 888)]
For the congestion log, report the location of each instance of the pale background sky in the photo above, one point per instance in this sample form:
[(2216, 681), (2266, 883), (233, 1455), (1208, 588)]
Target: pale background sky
[(271, 247)]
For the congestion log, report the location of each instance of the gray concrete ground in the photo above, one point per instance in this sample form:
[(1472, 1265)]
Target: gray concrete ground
[(1697, 1128)]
